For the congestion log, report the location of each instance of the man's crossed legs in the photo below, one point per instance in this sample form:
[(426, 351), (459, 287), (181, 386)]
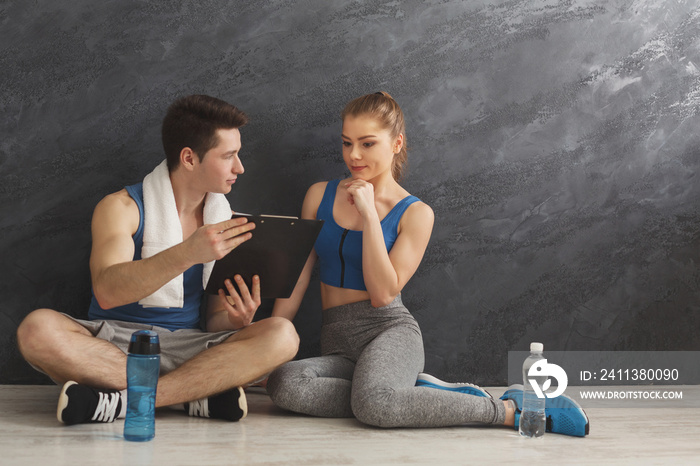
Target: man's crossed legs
[(206, 380)]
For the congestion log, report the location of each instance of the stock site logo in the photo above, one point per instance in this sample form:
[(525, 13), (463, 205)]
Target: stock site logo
[(543, 369)]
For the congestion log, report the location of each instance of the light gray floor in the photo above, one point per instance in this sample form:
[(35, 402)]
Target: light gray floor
[(30, 434)]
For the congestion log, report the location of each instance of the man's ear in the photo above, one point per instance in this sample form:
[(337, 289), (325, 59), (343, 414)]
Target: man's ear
[(187, 158)]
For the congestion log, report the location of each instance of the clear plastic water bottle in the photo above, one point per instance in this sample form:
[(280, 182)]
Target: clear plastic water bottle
[(532, 417), (142, 369)]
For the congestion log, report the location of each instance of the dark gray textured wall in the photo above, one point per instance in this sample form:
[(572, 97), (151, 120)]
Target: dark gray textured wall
[(556, 141)]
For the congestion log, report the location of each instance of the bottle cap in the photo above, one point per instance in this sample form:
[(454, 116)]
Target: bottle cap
[(144, 342), (536, 347)]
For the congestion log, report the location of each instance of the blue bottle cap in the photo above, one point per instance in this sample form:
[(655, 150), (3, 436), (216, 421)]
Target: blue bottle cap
[(144, 342)]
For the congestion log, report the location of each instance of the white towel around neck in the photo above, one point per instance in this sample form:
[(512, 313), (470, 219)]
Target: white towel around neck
[(162, 230)]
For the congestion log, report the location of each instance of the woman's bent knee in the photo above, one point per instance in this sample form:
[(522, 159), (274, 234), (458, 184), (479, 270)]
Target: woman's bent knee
[(281, 384)]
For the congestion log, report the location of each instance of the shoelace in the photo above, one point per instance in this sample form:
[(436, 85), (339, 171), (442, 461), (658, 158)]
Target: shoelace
[(106, 407), (199, 408)]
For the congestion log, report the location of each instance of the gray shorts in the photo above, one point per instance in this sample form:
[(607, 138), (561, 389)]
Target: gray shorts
[(176, 347)]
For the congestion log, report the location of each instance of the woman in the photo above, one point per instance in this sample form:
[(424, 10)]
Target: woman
[(374, 236)]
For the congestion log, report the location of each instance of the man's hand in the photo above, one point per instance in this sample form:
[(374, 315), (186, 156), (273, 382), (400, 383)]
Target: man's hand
[(213, 242), (240, 307)]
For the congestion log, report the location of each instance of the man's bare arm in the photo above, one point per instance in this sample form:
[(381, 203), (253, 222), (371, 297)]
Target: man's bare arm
[(117, 279)]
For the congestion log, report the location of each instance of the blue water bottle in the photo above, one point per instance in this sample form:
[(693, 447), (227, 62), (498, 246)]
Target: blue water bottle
[(142, 369)]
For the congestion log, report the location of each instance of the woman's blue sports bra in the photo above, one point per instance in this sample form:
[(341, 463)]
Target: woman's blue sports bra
[(340, 250)]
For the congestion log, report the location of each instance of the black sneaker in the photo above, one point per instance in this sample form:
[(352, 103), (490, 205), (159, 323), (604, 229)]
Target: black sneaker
[(78, 404), (230, 405)]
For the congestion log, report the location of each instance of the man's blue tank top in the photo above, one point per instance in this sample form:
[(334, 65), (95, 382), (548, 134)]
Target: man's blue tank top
[(170, 318), (340, 250)]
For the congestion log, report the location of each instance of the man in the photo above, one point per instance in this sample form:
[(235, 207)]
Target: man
[(133, 285)]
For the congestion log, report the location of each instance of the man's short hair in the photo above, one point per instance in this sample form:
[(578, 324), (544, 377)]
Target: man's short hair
[(192, 122)]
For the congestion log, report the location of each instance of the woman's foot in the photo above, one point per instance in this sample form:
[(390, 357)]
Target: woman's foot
[(564, 415)]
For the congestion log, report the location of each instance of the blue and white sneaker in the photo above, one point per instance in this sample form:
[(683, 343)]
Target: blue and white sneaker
[(427, 380), (564, 415)]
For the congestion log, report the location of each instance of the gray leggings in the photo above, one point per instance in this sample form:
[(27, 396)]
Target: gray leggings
[(371, 359)]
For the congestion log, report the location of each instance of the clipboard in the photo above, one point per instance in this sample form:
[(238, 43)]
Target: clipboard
[(276, 252)]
